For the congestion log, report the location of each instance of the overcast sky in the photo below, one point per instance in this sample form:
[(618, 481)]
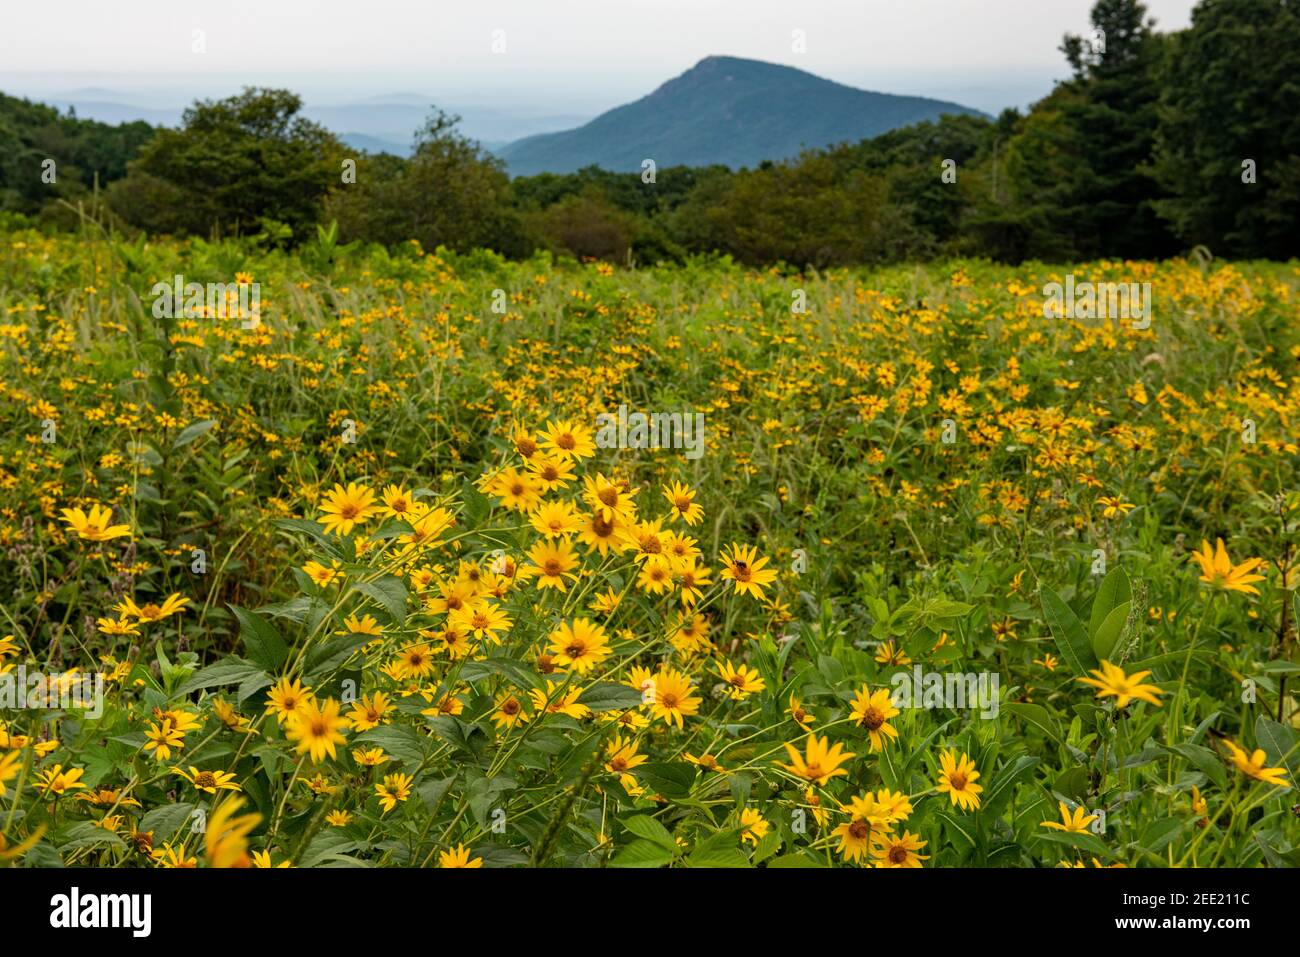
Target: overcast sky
[(560, 56)]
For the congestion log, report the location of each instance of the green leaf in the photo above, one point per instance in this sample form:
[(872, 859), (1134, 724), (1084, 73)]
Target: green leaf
[(609, 696), (192, 432), (307, 527), (1068, 631), (947, 608), (327, 655), (251, 686), (1083, 842), (477, 505), (719, 850), (1278, 667), (1279, 742), (642, 854), (1161, 833), (459, 734), (432, 790), (262, 641), (1074, 783), (227, 671), (88, 834), (391, 594), (331, 844), (1000, 791), (1036, 715), (401, 742), (1204, 760), (643, 825), (963, 830), (519, 674), (166, 821), (1271, 854), (670, 780), (1104, 638), (1115, 590)]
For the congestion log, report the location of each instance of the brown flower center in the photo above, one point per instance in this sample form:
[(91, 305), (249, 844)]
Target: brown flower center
[(872, 719)]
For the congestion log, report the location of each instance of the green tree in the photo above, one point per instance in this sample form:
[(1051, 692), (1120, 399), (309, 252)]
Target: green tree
[(809, 212), (1232, 95), (233, 163), (84, 152), (1110, 209), (1072, 178), (449, 193), (586, 225)]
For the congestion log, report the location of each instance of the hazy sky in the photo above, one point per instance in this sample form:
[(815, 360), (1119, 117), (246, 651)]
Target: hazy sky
[(560, 56)]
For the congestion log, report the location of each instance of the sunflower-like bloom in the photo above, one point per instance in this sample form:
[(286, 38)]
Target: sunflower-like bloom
[(744, 568), (552, 565), (226, 836), (369, 711), (670, 697), (173, 604), (566, 704), (568, 440), (1218, 571), (458, 856), (899, 850), (56, 781), (957, 780), (1075, 822), (872, 712), (10, 765), (1253, 765), (94, 527), (316, 727), (209, 781), (684, 506), (580, 644), (866, 820), (396, 788), (742, 681), (346, 508), (820, 761), (1112, 682), (610, 499)]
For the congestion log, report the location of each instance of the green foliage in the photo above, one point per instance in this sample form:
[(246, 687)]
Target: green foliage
[(84, 152), (450, 193), (233, 164), (1230, 95)]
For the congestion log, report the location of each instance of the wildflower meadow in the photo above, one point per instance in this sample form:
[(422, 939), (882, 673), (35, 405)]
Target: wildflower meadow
[(424, 559)]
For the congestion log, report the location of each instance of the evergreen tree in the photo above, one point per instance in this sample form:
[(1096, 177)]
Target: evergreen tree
[(1231, 99)]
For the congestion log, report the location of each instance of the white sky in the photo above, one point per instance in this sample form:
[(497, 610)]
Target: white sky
[(562, 56)]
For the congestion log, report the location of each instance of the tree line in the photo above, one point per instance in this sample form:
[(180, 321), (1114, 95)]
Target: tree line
[(1156, 143)]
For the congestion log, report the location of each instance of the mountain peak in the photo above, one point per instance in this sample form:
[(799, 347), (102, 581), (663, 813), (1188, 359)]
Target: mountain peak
[(727, 110)]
